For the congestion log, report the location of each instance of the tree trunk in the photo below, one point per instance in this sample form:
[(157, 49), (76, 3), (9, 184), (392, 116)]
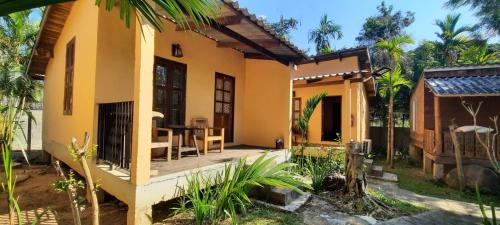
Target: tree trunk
[(390, 132), (355, 174), (458, 156), (82, 158)]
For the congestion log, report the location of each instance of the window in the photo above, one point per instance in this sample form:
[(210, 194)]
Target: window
[(68, 77), (297, 102), (170, 91)]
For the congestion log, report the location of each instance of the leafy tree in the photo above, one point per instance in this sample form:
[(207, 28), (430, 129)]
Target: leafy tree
[(423, 56), (477, 54), (285, 25), (487, 11), (387, 24), (198, 11), (452, 38), (390, 83), (321, 36)]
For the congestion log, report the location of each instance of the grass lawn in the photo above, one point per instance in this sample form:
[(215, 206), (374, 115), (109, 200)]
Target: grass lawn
[(413, 179), (258, 215)]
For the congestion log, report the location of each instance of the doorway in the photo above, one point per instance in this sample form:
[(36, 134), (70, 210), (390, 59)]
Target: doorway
[(331, 123), (224, 105)]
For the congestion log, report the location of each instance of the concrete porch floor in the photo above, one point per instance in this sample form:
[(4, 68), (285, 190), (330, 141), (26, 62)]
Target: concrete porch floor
[(188, 162)]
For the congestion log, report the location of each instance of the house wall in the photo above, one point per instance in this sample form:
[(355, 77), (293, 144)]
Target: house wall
[(203, 59), (417, 114), (354, 102), (267, 103), (354, 98), (347, 64), (84, 24)]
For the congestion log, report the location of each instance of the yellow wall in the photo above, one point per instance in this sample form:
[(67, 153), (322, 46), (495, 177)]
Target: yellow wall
[(327, 67), (203, 59), (267, 103), (58, 129), (115, 57), (354, 98)]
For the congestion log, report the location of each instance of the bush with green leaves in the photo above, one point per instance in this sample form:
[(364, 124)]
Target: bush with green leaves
[(486, 220), (224, 195), (317, 168)]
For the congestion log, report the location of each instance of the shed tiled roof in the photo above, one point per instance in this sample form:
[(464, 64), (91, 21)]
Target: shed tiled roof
[(465, 85)]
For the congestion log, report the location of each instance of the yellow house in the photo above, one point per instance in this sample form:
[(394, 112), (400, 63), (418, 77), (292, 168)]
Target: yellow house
[(346, 77), (103, 78), (237, 73)]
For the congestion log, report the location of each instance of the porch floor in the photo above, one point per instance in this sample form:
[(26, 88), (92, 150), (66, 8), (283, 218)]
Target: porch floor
[(160, 167)]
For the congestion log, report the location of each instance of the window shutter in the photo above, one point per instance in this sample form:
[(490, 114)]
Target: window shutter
[(69, 77)]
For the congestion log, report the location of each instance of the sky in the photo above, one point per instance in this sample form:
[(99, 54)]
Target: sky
[(351, 14)]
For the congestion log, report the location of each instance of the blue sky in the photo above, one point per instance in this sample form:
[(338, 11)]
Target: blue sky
[(351, 14)]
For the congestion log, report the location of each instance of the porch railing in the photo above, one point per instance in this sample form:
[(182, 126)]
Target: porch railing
[(470, 146), (115, 133)]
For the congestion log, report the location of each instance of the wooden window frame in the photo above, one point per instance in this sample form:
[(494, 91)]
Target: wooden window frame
[(170, 64), (69, 75), (294, 110)]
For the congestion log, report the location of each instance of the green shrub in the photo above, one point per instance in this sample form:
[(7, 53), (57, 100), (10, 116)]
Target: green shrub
[(317, 168), (486, 220), (226, 194)]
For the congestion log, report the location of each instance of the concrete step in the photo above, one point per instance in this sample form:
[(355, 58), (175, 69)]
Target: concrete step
[(377, 171), (275, 195), (369, 164)]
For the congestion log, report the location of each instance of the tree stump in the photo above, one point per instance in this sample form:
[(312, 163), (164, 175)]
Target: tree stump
[(355, 174)]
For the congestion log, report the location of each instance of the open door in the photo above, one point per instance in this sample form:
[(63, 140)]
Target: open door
[(331, 123)]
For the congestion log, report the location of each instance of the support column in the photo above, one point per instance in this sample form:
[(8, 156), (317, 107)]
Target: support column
[(143, 102), (438, 138), (138, 215), (346, 112)]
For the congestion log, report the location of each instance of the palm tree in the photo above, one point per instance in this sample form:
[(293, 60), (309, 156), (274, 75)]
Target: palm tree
[(452, 37), (389, 85), (321, 36), (198, 11), (477, 54), (394, 47)]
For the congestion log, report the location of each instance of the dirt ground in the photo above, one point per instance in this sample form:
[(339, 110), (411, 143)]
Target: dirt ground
[(37, 194)]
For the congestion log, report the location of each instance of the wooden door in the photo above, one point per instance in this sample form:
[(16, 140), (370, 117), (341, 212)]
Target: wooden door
[(224, 105), (169, 92)]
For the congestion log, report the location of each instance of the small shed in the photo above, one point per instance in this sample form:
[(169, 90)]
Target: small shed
[(437, 100)]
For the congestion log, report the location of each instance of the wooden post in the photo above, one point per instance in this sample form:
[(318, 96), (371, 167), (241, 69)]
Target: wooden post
[(438, 138), (458, 156)]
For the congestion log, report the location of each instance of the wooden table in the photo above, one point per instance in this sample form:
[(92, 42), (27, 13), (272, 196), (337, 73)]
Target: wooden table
[(180, 131)]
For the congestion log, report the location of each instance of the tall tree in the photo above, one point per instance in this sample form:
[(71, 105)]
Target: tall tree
[(487, 11), (423, 56), (285, 25), (385, 25), (322, 35), (390, 83), (452, 38), (198, 11)]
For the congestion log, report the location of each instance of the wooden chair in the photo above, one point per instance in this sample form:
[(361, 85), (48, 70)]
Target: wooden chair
[(161, 141), (206, 133)]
